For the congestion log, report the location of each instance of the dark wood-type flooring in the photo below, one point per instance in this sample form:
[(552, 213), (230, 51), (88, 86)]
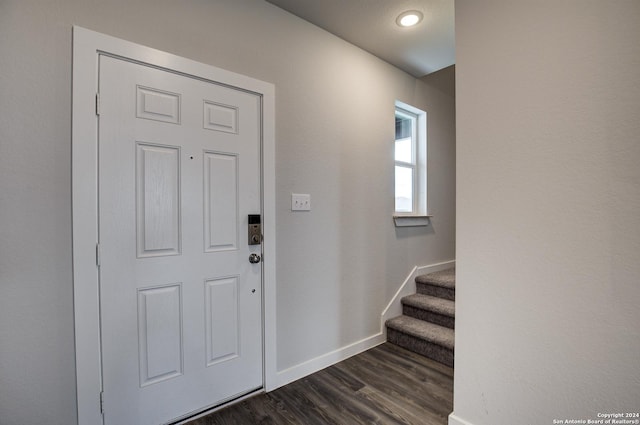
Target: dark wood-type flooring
[(384, 385)]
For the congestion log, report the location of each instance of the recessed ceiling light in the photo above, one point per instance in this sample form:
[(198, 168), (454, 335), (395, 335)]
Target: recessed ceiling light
[(409, 18)]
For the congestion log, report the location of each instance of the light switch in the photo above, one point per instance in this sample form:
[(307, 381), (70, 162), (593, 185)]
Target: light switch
[(300, 202)]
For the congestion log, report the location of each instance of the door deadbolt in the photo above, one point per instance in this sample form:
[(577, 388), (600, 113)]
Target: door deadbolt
[(255, 229)]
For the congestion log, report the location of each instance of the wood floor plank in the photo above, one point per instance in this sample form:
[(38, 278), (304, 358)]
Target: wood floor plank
[(345, 378), (386, 385), (362, 400), (332, 395), (297, 399), (400, 411), (399, 387), (418, 380)]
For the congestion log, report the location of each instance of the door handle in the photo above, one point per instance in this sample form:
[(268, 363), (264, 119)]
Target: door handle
[(254, 258)]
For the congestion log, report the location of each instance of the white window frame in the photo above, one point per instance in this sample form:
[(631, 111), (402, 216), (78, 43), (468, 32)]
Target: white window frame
[(418, 216)]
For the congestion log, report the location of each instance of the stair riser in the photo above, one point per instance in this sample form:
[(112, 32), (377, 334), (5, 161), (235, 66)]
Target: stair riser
[(422, 347), (436, 291), (429, 316)]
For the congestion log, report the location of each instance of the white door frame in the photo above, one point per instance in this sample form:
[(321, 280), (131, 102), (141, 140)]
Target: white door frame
[(87, 45)]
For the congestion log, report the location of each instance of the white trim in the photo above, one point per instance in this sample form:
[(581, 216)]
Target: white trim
[(316, 364), (456, 420), (411, 220), (394, 308), (269, 233), (419, 160), (86, 46), (408, 287)]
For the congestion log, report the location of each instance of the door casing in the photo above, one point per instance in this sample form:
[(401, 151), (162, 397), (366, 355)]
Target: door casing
[(86, 47)]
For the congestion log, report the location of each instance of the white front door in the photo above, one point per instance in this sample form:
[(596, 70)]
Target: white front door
[(180, 303)]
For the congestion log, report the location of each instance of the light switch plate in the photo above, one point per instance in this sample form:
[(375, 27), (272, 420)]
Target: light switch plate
[(300, 202)]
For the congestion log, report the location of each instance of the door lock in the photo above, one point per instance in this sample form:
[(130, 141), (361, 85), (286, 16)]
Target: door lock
[(255, 229)]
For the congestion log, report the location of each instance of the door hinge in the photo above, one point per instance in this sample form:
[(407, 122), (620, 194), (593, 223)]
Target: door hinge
[(102, 402), (98, 254), (98, 104)]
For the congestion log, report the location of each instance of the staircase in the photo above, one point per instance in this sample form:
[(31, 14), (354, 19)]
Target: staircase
[(428, 318)]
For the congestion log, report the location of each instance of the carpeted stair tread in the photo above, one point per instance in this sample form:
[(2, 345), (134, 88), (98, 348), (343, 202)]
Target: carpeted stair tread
[(426, 331), (429, 303), (427, 323), (443, 279)]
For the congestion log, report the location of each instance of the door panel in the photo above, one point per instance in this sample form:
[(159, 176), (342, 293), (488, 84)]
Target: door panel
[(220, 117), (159, 334), (221, 315), (154, 104), (220, 201), (181, 306), (158, 200)]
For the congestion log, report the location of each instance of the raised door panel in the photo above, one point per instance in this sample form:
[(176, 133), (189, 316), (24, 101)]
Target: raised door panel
[(222, 321), (220, 117), (221, 202), (159, 333), (158, 200), (158, 105)]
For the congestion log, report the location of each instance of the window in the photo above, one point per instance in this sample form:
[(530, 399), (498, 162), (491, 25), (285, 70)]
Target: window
[(410, 148)]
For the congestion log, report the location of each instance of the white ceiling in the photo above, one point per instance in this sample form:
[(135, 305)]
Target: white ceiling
[(371, 25)]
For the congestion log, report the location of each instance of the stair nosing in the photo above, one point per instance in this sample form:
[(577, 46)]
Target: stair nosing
[(434, 279), (430, 303), (426, 332)]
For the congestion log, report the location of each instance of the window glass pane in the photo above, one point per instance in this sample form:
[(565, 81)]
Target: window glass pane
[(404, 125), (404, 189), (403, 150)]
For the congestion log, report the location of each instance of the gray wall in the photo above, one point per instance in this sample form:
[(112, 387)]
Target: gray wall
[(338, 265), (548, 201)]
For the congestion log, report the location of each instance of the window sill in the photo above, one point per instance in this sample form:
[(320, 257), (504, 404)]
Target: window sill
[(411, 220)]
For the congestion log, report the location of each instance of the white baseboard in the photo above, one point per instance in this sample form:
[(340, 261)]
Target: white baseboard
[(316, 364), (408, 287), (394, 308), (455, 420)]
